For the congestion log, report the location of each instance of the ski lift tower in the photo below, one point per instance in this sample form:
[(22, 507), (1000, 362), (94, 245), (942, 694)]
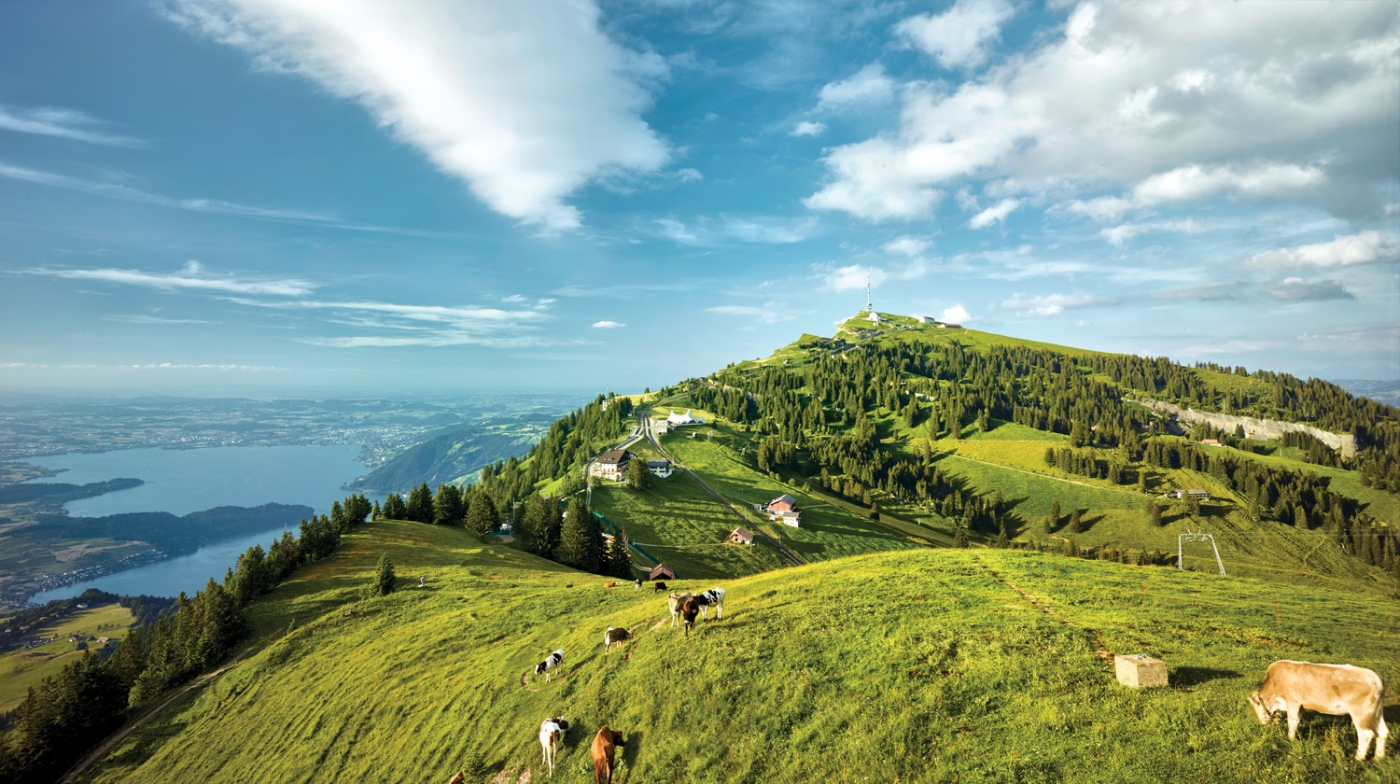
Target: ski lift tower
[(1199, 536)]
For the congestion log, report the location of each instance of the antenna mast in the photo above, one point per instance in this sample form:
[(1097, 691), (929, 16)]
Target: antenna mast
[(868, 306)]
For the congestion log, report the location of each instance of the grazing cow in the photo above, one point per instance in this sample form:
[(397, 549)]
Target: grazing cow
[(612, 584), (1335, 689), (658, 587), (637, 583), (675, 601), (551, 734), (460, 778), (689, 609), (715, 597), (603, 746), (614, 636), (553, 660)]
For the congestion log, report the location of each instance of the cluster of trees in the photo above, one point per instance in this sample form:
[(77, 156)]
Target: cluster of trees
[(572, 536), (68, 713), (451, 505)]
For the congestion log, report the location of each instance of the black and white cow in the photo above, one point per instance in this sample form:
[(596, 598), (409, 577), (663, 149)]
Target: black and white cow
[(715, 597), (553, 660), (615, 636)]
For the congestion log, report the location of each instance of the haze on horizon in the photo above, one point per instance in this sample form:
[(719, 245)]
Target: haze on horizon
[(360, 197)]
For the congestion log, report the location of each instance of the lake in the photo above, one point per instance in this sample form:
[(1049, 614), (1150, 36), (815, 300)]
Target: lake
[(189, 480)]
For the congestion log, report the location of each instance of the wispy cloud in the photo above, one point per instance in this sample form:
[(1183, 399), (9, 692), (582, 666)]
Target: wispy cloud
[(1363, 248), (62, 123), (866, 86), (146, 366), (607, 324), (808, 128), (1121, 234), (994, 214), (769, 313), (1299, 290), (1052, 304), (418, 325), (192, 277), (771, 231), (525, 101), (145, 319)]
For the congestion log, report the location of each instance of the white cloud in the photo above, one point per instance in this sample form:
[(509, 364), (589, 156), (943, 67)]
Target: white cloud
[(1119, 235), (772, 231), (868, 85), (1299, 290), (957, 314), (994, 214), (142, 318), (526, 101), (192, 277), (416, 325), (848, 278), (735, 310), (674, 230), (958, 37), (907, 246), (607, 325), (1152, 103), (1052, 304), (770, 313), (62, 123), (808, 128), (513, 298), (690, 175), (1363, 248)]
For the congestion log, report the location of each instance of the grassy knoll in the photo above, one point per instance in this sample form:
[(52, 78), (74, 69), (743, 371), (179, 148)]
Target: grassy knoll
[(21, 669), (684, 526), (927, 665), (827, 531)]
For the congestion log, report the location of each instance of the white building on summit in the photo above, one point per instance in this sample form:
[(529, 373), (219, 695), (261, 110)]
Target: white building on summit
[(682, 420)]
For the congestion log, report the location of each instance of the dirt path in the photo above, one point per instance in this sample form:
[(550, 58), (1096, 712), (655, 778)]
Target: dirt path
[(1095, 642), (1132, 493), (121, 735)]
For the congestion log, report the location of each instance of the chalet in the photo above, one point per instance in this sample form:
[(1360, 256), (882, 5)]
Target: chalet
[(104, 640), (741, 535), (1199, 495), (660, 467), (789, 518), (612, 465), (1210, 442), (783, 503), (684, 420), (661, 571)]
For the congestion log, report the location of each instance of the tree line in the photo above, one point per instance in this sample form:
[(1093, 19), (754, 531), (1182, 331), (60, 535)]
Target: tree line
[(69, 713)]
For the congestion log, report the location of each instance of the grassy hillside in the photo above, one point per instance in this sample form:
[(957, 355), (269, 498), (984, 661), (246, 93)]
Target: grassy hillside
[(21, 669), (918, 665)]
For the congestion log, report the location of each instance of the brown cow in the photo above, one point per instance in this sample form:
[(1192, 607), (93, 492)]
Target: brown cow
[(603, 746), (689, 609), (1334, 689), (615, 636), (460, 778)]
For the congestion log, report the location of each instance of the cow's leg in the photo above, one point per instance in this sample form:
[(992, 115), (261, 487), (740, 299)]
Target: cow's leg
[(1382, 732), (1294, 714), (719, 611)]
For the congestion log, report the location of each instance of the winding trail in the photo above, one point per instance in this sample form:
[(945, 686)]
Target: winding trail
[(107, 745), (1095, 641)]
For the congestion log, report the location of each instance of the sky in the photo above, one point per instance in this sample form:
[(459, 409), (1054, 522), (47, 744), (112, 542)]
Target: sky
[(356, 197)]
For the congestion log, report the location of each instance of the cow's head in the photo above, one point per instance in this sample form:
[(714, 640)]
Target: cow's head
[(615, 737), (562, 722), (1264, 714)]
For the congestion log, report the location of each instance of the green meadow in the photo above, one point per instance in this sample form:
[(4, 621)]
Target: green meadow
[(913, 666), (21, 669)]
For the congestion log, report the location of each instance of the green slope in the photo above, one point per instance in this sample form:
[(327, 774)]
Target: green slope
[(921, 665)]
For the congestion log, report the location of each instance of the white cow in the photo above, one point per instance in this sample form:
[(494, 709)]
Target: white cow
[(1335, 689), (551, 733)]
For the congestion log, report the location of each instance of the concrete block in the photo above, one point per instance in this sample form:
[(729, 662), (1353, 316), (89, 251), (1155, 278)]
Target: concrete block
[(1140, 671)]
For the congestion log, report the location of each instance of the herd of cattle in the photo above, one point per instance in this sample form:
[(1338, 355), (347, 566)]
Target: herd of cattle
[(1289, 687)]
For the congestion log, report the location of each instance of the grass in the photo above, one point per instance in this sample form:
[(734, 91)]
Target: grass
[(21, 669), (685, 527), (924, 666)]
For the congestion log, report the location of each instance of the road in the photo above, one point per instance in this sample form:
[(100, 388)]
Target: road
[(644, 419)]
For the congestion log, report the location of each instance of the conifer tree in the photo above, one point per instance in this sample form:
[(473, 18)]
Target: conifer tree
[(482, 517), (448, 508), (384, 577), (378, 513), (420, 504), (1074, 523), (638, 477), (1054, 520), (580, 541), (960, 538), (394, 507), (616, 561), (1154, 514)]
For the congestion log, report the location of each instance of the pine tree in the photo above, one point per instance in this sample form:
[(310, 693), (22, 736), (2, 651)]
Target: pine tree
[(580, 540), (960, 538), (384, 577), (420, 504), (1053, 521), (1074, 522), (448, 508), (378, 513), (616, 561), (482, 517), (874, 510), (638, 477), (1154, 514), (394, 507)]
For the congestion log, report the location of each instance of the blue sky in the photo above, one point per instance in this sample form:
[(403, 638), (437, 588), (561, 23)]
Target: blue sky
[(360, 197)]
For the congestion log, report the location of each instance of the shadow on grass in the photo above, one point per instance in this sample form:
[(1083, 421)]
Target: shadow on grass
[(1087, 523), (1194, 676)]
